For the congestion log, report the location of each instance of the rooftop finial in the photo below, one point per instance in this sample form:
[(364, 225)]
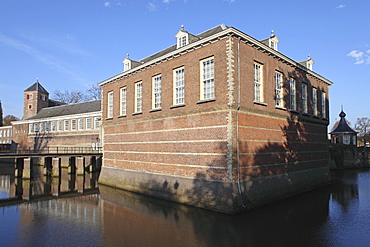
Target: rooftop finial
[(309, 56), (37, 79), (272, 33), (127, 55), (182, 27)]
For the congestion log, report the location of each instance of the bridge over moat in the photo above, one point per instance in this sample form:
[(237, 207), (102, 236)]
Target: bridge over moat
[(76, 159)]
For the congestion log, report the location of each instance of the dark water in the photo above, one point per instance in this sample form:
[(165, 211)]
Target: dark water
[(337, 215)]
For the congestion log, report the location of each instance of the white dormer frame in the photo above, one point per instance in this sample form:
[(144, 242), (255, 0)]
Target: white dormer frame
[(273, 42), (182, 38), (309, 63), (126, 64)]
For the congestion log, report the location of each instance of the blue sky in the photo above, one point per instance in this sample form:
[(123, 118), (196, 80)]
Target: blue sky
[(71, 44)]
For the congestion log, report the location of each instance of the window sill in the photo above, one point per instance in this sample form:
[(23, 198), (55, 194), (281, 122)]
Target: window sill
[(109, 118), (260, 103), (294, 111), (156, 109), (121, 116), (136, 113), (176, 106), (305, 114), (280, 108), (206, 100), (315, 116)]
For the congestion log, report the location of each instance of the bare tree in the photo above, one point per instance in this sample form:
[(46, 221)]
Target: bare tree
[(93, 93), (75, 96), (8, 119), (68, 97), (363, 128)]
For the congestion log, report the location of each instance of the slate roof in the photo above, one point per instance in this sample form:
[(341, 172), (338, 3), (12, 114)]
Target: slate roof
[(71, 109), (202, 35), (342, 127), (37, 87)]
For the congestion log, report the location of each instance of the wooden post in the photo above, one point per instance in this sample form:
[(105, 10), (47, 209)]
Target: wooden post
[(27, 166), (56, 167), (80, 165)]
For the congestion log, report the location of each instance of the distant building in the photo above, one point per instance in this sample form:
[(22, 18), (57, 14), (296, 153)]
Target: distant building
[(50, 124), (343, 133), (219, 120)]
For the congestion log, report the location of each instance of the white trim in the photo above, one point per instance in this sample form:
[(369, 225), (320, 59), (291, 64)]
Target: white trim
[(229, 31)]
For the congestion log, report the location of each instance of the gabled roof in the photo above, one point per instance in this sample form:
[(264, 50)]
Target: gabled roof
[(343, 127), (37, 87), (202, 35), (71, 109)]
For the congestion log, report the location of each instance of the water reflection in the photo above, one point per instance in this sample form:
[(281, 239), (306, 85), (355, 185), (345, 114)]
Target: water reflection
[(336, 215)]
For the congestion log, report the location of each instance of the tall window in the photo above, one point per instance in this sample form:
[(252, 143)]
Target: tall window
[(65, 125), (304, 98), (323, 104), (30, 129), (53, 126), (279, 89), (292, 91), (208, 81), (157, 91), (138, 97), (73, 124), (123, 99), (110, 105), (314, 101), (96, 122), (59, 125), (88, 123), (80, 124), (258, 82), (179, 83)]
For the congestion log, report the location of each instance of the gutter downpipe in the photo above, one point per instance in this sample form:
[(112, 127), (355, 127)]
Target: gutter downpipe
[(237, 131)]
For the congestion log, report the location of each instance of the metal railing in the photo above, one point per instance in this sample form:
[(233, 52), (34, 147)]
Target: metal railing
[(59, 150)]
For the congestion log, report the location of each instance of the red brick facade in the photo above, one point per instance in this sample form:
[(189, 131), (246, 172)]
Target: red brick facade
[(223, 153)]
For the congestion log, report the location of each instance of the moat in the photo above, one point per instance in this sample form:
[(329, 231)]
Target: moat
[(336, 215)]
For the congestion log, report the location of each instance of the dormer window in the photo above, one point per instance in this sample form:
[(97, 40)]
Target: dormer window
[(308, 63), (182, 41), (129, 64), (272, 42), (184, 38)]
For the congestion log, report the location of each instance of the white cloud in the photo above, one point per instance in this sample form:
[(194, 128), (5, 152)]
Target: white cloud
[(46, 59), (360, 56), (107, 4), (167, 1), (230, 1), (340, 6), (151, 6)]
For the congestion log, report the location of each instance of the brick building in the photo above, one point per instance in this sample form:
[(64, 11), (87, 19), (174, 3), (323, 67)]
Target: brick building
[(50, 124), (219, 120)]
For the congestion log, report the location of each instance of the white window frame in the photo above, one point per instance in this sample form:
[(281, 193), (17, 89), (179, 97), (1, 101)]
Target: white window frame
[(183, 40), (258, 82), (292, 93), (279, 93), (73, 124), (346, 139), (65, 125), (314, 101), (88, 123), (96, 123), (41, 128), (323, 104), (110, 105), (52, 126), (207, 75), (179, 86), (304, 98), (123, 101), (59, 125), (138, 97), (157, 92), (30, 129), (80, 124)]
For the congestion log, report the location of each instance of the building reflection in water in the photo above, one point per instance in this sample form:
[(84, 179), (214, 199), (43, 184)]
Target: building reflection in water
[(120, 218)]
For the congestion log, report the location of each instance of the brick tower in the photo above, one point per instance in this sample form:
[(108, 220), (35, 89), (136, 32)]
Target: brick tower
[(35, 98)]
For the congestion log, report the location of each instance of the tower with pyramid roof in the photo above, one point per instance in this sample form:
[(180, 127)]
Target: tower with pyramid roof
[(35, 98)]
